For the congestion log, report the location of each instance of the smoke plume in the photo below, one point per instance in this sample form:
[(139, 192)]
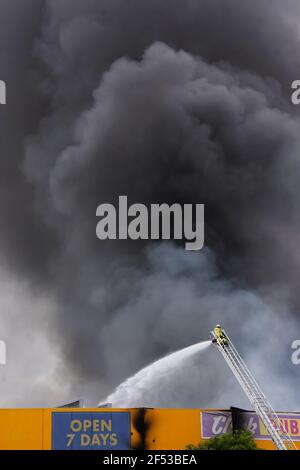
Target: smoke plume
[(163, 102)]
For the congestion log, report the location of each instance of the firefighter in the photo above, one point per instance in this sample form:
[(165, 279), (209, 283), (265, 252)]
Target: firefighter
[(220, 335)]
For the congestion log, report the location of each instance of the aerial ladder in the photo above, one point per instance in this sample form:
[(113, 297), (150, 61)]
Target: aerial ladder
[(257, 398)]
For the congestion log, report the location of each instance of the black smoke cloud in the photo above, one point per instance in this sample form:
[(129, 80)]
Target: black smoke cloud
[(164, 102)]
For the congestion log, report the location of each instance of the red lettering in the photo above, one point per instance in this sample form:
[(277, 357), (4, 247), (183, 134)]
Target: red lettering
[(284, 425), (294, 426)]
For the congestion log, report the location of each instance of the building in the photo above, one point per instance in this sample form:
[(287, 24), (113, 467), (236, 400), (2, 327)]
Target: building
[(134, 428)]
